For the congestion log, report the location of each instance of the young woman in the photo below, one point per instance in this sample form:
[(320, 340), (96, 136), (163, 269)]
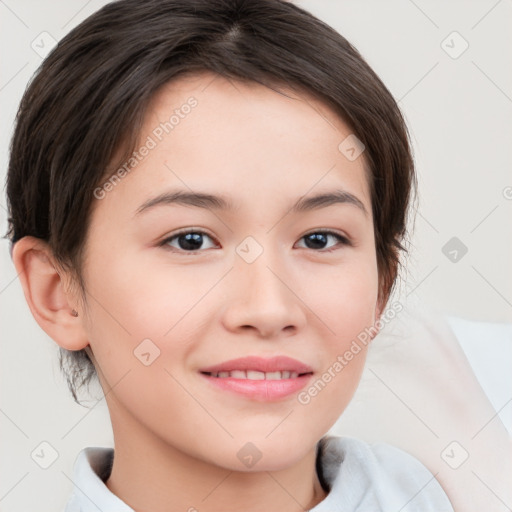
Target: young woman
[(208, 200)]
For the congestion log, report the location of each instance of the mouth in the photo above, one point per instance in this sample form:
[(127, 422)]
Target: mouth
[(256, 375), (258, 378)]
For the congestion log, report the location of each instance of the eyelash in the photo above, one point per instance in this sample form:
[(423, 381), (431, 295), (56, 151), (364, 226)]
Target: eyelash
[(342, 240)]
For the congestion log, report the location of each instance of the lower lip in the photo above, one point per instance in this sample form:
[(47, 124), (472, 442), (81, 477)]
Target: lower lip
[(261, 390)]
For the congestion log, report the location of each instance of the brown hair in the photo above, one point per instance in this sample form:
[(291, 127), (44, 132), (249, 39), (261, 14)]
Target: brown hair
[(90, 94)]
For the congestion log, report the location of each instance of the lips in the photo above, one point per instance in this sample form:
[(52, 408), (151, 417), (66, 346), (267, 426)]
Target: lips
[(254, 366), (259, 379), (254, 375)]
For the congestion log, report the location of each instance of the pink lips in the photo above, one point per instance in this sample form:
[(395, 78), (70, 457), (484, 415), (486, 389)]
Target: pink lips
[(260, 390), (260, 364)]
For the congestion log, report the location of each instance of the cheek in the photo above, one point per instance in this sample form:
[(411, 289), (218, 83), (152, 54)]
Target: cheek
[(345, 306), (131, 301), (142, 299), (343, 297)]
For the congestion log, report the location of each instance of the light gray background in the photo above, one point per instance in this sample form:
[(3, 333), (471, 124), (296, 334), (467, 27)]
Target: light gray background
[(458, 111)]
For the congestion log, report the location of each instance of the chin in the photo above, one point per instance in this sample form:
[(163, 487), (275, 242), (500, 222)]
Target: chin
[(255, 453)]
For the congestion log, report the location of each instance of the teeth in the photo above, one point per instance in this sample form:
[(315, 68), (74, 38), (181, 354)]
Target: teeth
[(255, 375), (252, 375)]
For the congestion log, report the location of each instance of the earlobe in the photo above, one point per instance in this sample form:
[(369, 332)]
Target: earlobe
[(45, 293)]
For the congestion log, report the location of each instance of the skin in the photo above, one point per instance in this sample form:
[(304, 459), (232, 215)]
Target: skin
[(177, 436)]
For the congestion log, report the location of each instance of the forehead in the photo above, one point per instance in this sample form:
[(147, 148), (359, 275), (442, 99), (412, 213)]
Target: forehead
[(243, 139), (256, 108)]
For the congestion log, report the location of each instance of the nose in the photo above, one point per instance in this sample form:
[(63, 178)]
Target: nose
[(263, 299)]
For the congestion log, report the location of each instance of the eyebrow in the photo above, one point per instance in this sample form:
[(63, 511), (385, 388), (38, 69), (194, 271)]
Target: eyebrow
[(218, 202)]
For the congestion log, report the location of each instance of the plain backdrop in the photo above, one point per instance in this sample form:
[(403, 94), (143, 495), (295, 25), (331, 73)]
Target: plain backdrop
[(448, 66)]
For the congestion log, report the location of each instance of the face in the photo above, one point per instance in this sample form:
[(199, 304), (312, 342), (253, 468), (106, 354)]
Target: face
[(179, 288)]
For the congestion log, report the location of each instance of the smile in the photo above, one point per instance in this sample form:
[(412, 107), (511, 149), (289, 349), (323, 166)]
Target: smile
[(255, 375), (259, 379)]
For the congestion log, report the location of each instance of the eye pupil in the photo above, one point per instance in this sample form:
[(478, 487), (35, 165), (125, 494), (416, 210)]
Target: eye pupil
[(192, 241), (318, 240)]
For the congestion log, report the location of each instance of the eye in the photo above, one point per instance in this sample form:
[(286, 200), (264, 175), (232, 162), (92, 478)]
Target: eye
[(186, 241), (192, 240), (319, 239)]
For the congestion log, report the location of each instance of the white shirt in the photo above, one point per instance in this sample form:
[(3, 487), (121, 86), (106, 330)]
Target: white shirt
[(360, 478)]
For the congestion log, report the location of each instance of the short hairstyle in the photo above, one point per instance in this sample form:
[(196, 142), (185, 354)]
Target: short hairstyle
[(88, 98)]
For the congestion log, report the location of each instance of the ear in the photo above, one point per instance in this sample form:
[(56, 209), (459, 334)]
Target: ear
[(47, 295)]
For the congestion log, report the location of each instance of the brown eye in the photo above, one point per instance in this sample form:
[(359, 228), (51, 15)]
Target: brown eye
[(320, 240), (187, 241)]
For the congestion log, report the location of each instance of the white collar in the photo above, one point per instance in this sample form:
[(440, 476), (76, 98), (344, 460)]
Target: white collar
[(360, 477)]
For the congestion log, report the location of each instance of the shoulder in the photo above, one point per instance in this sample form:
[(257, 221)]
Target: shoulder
[(380, 475)]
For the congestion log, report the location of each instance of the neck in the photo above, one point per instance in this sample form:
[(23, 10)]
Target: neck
[(150, 474)]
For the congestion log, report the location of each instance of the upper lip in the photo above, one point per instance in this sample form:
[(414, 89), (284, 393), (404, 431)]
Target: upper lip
[(260, 364)]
